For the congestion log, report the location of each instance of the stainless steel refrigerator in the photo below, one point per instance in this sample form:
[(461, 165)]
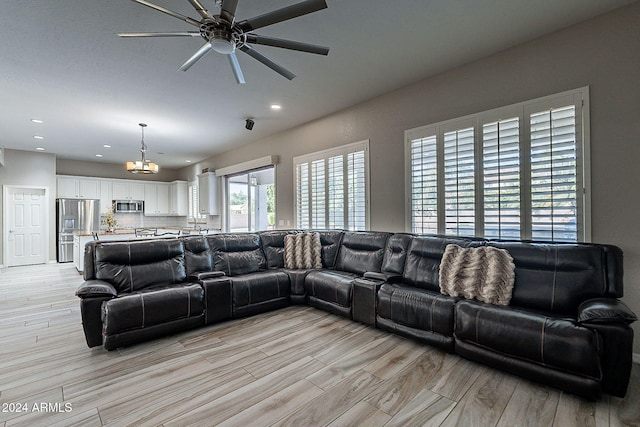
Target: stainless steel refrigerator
[(75, 216)]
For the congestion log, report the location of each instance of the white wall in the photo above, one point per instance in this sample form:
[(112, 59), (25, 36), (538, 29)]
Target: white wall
[(31, 169), (602, 53)]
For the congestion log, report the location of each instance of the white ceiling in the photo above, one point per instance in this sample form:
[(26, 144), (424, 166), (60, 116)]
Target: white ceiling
[(62, 62)]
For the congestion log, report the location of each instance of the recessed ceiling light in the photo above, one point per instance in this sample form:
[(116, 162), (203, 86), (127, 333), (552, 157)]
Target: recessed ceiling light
[(188, 161), (39, 148), (106, 146), (276, 107), (37, 121), (38, 137), (98, 155)]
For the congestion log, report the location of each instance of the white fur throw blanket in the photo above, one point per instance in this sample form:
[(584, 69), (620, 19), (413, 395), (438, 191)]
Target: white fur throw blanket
[(302, 251), (486, 274)]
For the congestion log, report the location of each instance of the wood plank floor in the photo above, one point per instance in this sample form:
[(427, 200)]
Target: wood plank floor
[(294, 367)]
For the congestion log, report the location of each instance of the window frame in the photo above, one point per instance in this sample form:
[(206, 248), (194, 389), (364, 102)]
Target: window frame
[(325, 157), (523, 110)]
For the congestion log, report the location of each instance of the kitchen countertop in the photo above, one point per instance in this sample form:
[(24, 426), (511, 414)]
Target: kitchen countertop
[(161, 232)]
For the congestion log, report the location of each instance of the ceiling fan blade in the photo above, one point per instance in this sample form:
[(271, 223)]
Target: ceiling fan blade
[(266, 61), (172, 34), (287, 44), (228, 10), (284, 14), (202, 11), (235, 66), (168, 12), (195, 57)]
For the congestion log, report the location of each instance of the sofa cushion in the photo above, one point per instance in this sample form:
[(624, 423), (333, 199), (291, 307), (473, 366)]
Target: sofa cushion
[(361, 251), (196, 254), (332, 286), (135, 265), (302, 251), (273, 246), (258, 287), (236, 254), (556, 277), (537, 338), (417, 308), (485, 274), (152, 306), (330, 241), (422, 264), (395, 253)]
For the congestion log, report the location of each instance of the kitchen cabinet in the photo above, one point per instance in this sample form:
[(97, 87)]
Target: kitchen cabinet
[(208, 194), (156, 199), (178, 199), (125, 190), (77, 188), (106, 196)]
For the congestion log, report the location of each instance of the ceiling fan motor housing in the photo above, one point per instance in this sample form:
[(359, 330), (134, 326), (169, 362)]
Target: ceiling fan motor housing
[(220, 35)]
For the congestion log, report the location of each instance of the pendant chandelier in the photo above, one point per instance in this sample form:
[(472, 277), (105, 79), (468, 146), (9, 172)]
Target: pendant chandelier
[(142, 166)]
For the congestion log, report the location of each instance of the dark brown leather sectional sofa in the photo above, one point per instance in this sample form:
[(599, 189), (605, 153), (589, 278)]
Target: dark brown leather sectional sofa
[(564, 326)]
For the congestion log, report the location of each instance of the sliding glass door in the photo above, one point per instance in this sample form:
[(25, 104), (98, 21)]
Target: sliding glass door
[(251, 201)]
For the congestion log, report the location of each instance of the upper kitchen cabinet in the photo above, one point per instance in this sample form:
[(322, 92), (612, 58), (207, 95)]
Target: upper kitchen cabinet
[(178, 198), (77, 188), (156, 199), (125, 190), (208, 195), (106, 196)]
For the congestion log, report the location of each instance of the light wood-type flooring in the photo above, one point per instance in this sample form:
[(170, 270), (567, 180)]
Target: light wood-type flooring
[(293, 367)]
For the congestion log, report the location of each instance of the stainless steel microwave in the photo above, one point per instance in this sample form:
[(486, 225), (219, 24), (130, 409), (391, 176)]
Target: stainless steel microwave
[(128, 206)]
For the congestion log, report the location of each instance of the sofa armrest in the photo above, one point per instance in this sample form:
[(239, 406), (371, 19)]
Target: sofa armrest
[(600, 311), (203, 275), (383, 277), (96, 289)]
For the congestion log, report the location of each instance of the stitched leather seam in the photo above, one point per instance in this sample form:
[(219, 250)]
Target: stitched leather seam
[(433, 303), (130, 272), (142, 303), (555, 272), (544, 324), (477, 323), (188, 302)]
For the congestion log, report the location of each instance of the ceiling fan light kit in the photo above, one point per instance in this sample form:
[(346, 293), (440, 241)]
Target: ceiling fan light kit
[(142, 166), (224, 35)]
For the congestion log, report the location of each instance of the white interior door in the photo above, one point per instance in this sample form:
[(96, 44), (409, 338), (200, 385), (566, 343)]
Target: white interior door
[(26, 227)]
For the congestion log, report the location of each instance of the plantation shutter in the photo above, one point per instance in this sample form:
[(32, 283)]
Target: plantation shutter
[(332, 188), (424, 185), (318, 195), (336, 192), (459, 182), (516, 172), (302, 195), (356, 195), (554, 177), (501, 178)]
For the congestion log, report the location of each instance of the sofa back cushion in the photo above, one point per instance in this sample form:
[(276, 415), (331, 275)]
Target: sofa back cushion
[(422, 264), (395, 253), (273, 246), (330, 241), (361, 251), (236, 254), (556, 277), (135, 265), (196, 254)]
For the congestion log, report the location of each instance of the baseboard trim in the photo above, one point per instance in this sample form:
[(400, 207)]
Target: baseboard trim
[(636, 358)]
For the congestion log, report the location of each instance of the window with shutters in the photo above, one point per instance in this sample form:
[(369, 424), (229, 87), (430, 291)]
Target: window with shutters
[(194, 203), (331, 188), (517, 172)]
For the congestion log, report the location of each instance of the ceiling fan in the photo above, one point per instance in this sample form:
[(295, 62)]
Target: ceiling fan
[(224, 34)]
